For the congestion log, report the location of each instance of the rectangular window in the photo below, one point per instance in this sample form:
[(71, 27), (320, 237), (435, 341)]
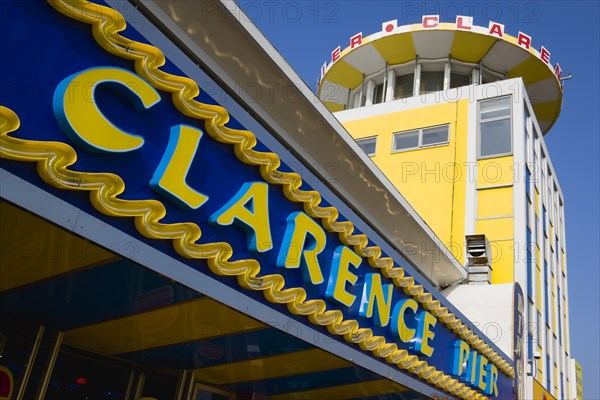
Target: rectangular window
[(560, 317), (495, 127), (531, 335), (562, 391), (421, 138), (530, 255), (536, 170), (528, 181), (527, 136), (538, 326), (548, 382), (528, 212), (546, 303), (368, 145)]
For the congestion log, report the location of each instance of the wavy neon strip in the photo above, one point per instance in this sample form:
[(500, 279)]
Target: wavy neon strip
[(104, 189)]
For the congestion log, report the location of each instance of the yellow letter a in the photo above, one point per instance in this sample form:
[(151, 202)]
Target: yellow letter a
[(254, 217)]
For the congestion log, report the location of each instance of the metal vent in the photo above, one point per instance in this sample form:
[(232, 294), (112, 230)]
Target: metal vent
[(479, 258)]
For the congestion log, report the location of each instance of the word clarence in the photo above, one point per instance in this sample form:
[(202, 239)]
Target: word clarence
[(335, 271), (432, 22), (304, 239)]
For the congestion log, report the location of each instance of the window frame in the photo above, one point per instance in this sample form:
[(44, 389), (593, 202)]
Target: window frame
[(373, 137), (420, 144), (480, 121)]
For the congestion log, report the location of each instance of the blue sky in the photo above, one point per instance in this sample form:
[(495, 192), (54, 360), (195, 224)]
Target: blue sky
[(305, 32)]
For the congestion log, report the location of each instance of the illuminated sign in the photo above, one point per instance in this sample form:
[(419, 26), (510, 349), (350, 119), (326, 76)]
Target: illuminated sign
[(432, 22), (166, 163)]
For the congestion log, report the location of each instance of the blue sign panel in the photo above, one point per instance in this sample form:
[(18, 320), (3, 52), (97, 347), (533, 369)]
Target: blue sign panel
[(100, 119)]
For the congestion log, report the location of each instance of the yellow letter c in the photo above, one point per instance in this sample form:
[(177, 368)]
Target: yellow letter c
[(83, 122)]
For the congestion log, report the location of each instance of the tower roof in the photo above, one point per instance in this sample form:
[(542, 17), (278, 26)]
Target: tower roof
[(505, 56)]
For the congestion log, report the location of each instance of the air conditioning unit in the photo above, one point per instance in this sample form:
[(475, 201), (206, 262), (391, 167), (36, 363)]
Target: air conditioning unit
[(479, 260)]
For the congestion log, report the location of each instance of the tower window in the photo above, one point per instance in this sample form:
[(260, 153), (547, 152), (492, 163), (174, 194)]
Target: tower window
[(495, 127), (459, 80), (404, 86), (378, 94), (432, 81)]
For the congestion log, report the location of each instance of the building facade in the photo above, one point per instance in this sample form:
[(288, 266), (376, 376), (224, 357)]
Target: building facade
[(165, 236), (455, 115)]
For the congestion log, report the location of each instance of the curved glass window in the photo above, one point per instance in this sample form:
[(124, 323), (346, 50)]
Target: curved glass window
[(432, 81), (404, 86), (458, 80)]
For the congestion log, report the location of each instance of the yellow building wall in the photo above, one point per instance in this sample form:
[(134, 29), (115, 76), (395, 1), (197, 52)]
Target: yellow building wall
[(495, 171), (539, 393), (495, 213), (579, 380), (432, 179)]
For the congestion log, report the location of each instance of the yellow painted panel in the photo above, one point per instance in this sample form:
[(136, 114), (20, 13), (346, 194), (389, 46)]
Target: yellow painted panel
[(180, 323), (396, 49), (494, 202), (344, 74), (495, 171), (547, 111), (496, 228), (578, 378), (503, 261), (470, 48), (536, 202), (539, 393), (531, 70), (299, 362), (334, 107), (34, 249), (500, 233), (351, 391), (432, 179)]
